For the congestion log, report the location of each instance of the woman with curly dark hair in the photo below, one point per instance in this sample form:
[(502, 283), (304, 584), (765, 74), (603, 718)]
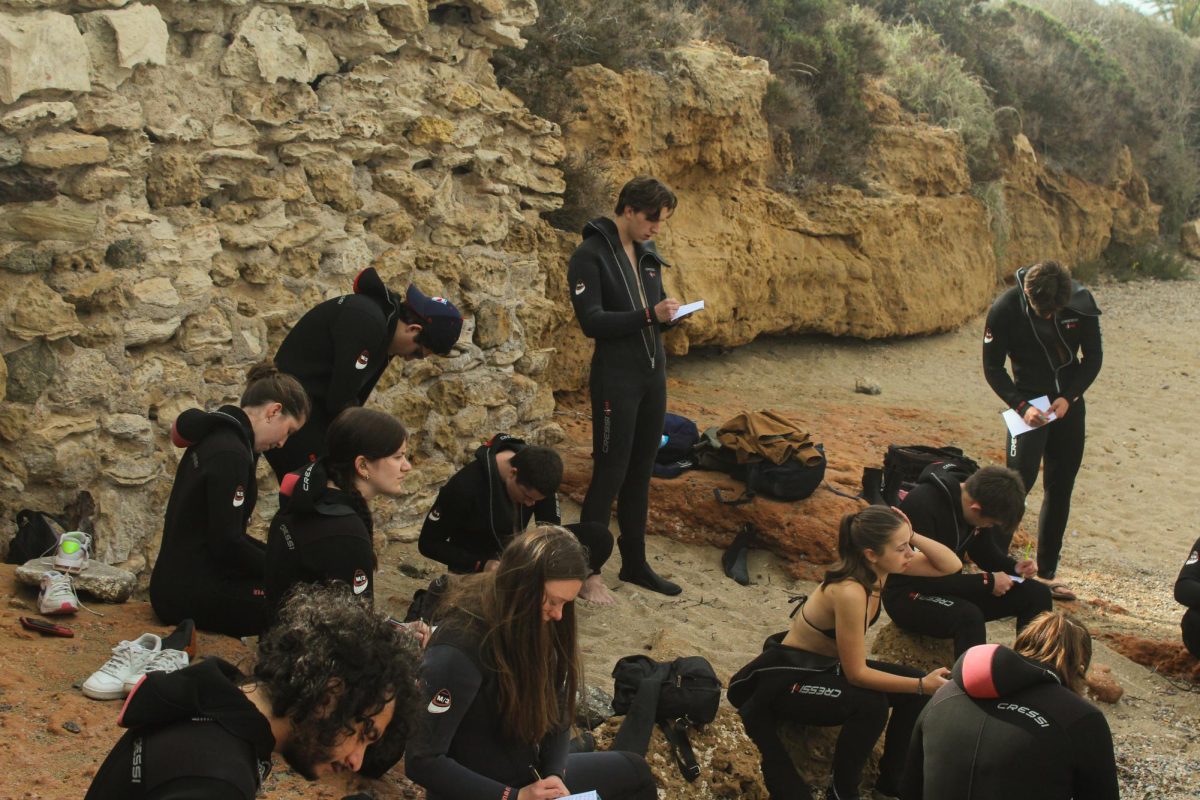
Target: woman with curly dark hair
[(500, 679), (330, 676), (323, 529), (208, 568)]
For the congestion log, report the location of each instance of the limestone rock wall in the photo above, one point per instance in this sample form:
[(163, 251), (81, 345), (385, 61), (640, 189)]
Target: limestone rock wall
[(180, 181), (910, 254)]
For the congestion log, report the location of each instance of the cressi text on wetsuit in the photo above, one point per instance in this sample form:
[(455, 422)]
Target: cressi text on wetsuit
[(1006, 727), (957, 606), (462, 749), (191, 733), (473, 517), (1057, 357), (1187, 593), (614, 303), (337, 351), (208, 568)]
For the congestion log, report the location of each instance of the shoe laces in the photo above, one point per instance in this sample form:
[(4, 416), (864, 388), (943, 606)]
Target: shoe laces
[(167, 660), (57, 586), (122, 658)]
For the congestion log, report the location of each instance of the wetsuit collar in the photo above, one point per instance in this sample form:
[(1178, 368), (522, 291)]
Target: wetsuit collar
[(603, 226), (1081, 301), (989, 671)]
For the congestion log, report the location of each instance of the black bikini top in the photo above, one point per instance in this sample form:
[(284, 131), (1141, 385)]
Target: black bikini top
[(830, 633)]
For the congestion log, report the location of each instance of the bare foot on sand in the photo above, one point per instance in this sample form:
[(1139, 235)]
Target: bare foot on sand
[(594, 591)]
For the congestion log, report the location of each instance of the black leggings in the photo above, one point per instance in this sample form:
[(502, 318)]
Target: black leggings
[(824, 699), (1191, 631), (940, 612), (1060, 445), (234, 606), (597, 539), (628, 409), (612, 775)]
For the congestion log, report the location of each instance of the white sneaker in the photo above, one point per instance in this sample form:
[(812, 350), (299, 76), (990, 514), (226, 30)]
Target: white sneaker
[(163, 661), (71, 553), (57, 596), (128, 660)]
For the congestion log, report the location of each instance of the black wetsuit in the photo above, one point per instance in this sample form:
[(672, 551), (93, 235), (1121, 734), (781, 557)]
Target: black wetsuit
[(1059, 357), (1187, 592), (786, 684), (208, 568), (958, 606), (319, 534), (463, 750), (1005, 727), (614, 304), (473, 517), (338, 351), (192, 734)]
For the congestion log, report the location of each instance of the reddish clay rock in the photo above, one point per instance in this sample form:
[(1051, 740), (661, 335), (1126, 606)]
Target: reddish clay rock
[(1103, 686)]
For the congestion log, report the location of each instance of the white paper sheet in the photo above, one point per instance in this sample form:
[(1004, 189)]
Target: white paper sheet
[(683, 311), (1016, 424)]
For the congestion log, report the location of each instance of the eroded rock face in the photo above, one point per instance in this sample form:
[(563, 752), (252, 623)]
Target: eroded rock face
[(184, 180)]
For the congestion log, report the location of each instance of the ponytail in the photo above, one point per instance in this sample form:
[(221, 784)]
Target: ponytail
[(266, 384), (868, 529)]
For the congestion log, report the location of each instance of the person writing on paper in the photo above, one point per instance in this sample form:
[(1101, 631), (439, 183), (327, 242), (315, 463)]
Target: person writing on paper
[(818, 673), (1048, 328), (969, 516), (616, 285), (499, 683)]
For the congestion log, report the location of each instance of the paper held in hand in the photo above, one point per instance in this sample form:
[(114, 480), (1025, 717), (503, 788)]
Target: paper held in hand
[(1016, 423), (583, 796), (690, 308)]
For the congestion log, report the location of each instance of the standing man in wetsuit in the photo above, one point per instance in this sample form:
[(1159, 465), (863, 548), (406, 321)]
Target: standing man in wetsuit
[(1048, 327), (615, 280), (340, 348)]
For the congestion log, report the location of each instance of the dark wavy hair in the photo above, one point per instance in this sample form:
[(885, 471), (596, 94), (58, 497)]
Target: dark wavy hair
[(538, 468), (266, 384), (868, 529), (331, 663), (537, 664), (1000, 493), (646, 194)]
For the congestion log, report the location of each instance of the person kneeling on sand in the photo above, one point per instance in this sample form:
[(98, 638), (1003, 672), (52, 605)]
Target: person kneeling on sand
[(1013, 723), (500, 681), (493, 498), (328, 678), (817, 673), (967, 517), (1187, 593)]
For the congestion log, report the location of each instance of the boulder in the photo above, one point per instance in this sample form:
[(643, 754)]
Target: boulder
[(267, 47), (42, 50), (110, 584), (40, 311), (57, 220), (122, 39), (38, 115), (30, 370), (58, 150), (898, 646), (174, 179)]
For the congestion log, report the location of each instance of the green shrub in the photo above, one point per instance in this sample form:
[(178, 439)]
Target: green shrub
[(991, 194), (1130, 263), (589, 194), (929, 80)]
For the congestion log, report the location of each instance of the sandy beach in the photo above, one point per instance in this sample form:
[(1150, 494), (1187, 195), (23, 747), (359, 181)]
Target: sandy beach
[(1130, 530)]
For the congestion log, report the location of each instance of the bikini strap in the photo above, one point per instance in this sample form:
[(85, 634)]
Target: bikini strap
[(799, 600)]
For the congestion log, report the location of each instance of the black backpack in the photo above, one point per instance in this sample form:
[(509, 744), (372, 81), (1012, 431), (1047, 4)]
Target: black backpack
[(904, 465), (37, 533), (791, 480), (676, 694), (681, 435)]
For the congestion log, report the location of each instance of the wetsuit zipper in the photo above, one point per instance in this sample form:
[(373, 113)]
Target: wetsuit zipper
[(1041, 344), (641, 287)]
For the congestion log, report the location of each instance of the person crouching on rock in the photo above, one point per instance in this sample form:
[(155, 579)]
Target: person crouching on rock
[(329, 677), (1187, 593), (817, 672), (494, 498), (208, 567), (500, 679), (1013, 723)]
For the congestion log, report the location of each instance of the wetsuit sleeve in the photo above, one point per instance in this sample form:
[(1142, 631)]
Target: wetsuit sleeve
[(921, 506), (197, 789), (446, 529), (583, 281), (554, 753), (355, 335), (547, 512), (995, 351), (1095, 766), (344, 558), (1091, 357), (449, 683), (1187, 585), (985, 551), (226, 538)]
